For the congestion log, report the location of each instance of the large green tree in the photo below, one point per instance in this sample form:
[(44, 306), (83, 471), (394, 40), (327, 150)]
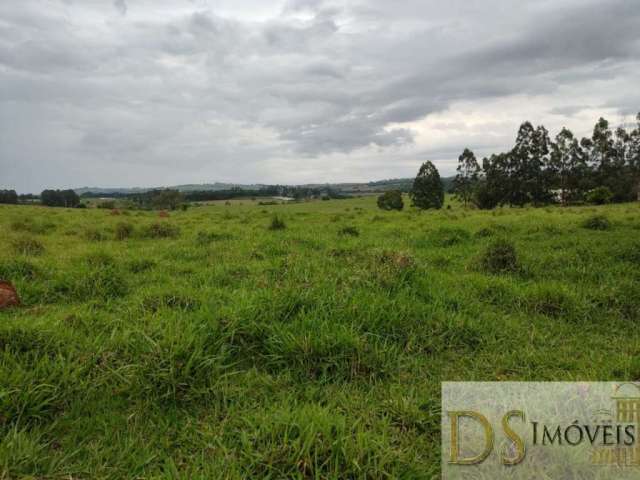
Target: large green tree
[(634, 157), (494, 187), (427, 191), (568, 167), (59, 198), (467, 178), (8, 196), (528, 161)]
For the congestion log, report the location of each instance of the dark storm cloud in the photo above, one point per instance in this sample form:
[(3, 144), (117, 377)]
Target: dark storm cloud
[(123, 92)]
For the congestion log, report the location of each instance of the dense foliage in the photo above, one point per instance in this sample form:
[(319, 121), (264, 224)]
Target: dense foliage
[(428, 190), (391, 200), (60, 198), (539, 171), (8, 196)]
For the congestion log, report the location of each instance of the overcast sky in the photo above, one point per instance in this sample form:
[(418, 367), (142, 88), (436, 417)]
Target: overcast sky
[(154, 92)]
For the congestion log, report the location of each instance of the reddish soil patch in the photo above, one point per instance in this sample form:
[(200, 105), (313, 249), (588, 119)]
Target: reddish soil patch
[(163, 214), (8, 295)]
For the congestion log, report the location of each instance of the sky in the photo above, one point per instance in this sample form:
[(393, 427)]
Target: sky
[(165, 92)]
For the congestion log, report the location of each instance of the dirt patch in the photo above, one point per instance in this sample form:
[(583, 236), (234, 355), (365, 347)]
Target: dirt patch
[(8, 295)]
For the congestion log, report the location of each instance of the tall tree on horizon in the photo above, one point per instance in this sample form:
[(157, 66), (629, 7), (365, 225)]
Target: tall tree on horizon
[(466, 181), (526, 166), (494, 187), (634, 156), (568, 167), (427, 191)]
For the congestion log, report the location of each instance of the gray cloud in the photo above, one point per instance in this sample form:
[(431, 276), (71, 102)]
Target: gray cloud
[(297, 90), (120, 6)]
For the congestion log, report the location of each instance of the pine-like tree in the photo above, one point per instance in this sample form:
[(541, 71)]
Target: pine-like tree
[(427, 191)]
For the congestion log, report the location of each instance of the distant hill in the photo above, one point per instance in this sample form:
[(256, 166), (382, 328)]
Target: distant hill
[(403, 184)]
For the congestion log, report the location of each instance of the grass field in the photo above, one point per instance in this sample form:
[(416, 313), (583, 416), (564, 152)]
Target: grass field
[(207, 345)]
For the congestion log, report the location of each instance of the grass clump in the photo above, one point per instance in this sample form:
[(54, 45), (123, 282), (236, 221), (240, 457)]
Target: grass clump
[(18, 268), (500, 257), (154, 303), (447, 237), (550, 300), (140, 265), (29, 226), (28, 246), (349, 231), (597, 222), (123, 231), (277, 223), (204, 238), (94, 235), (161, 230)]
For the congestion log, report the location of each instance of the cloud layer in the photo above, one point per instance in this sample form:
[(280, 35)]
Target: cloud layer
[(141, 92)]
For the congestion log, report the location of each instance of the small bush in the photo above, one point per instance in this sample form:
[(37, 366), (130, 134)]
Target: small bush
[(599, 196), (161, 230), (349, 231), (597, 222), (391, 200), (500, 257), (123, 231), (28, 246), (277, 224)]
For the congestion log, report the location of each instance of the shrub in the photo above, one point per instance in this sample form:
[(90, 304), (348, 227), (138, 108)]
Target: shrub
[(599, 196), (161, 230), (500, 257), (277, 223), (349, 231), (28, 246), (391, 200), (597, 222), (123, 231)]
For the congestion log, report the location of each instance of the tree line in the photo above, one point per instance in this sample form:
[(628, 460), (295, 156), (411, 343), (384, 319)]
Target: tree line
[(8, 196), (538, 170)]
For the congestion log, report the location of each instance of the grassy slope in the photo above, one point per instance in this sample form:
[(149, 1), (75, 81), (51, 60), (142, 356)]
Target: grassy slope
[(243, 352)]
